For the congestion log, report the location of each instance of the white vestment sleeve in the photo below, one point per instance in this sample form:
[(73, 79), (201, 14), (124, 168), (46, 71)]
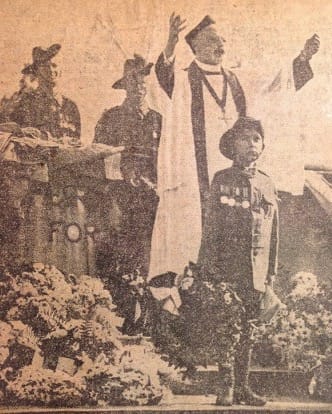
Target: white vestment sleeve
[(277, 106)]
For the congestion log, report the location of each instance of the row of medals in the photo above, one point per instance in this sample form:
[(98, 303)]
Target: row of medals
[(234, 196)]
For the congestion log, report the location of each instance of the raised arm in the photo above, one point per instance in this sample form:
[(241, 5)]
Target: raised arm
[(165, 63), (302, 71)]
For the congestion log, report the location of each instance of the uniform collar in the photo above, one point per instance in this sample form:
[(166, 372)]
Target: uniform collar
[(54, 94), (141, 110), (249, 172)]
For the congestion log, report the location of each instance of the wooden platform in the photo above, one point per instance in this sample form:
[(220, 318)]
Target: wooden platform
[(286, 393), (191, 405)]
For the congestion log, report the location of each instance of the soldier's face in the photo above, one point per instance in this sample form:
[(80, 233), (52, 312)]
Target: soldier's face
[(136, 87), (209, 46), (55, 70), (48, 73), (248, 146)]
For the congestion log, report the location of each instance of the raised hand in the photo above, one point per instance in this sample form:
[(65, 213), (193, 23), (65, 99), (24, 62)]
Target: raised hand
[(176, 25), (311, 46)]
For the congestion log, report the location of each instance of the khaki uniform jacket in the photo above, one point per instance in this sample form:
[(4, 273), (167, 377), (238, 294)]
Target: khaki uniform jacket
[(240, 235)]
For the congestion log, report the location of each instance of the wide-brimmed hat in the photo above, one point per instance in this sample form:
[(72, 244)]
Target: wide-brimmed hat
[(40, 56), (137, 65), (227, 140)]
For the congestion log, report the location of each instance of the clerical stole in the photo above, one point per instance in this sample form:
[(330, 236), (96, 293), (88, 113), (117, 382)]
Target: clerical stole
[(210, 119), (188, 158)]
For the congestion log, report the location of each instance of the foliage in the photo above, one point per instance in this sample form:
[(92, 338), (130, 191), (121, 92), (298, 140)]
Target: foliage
[(299, 337), (207, 327), (44, 386), (60, 344)]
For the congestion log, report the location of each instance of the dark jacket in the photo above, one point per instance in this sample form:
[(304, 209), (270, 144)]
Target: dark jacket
[(240, 235), (41, 110), (138, 132), (129, 247)]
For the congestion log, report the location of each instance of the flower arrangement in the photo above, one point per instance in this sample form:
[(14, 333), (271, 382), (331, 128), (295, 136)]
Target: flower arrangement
[(205, 329), (122, 381), (60, 344), (45, 387), (300, 337)]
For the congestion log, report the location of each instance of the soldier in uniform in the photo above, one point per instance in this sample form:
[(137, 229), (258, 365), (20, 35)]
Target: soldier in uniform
[(136, 127), (42, 107), (240, 240)]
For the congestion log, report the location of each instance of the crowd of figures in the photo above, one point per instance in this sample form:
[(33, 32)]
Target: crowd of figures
[(191, 193)]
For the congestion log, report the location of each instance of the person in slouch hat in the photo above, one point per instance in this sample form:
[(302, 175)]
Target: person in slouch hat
[(137, 127), (42, 107)]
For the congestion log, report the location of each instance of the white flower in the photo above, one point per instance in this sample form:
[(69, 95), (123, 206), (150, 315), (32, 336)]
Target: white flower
[(186, 283), (228, 298), (39, 267), (305, 285), (280, 339)]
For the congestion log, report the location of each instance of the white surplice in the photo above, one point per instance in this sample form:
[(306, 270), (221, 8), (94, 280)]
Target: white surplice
[(178, 227)]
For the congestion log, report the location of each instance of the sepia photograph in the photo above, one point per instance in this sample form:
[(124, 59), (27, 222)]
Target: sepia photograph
[(166, 206)]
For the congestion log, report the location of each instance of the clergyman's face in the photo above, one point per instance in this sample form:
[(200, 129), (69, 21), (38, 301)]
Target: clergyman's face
[(209, 46), (248, 146)]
